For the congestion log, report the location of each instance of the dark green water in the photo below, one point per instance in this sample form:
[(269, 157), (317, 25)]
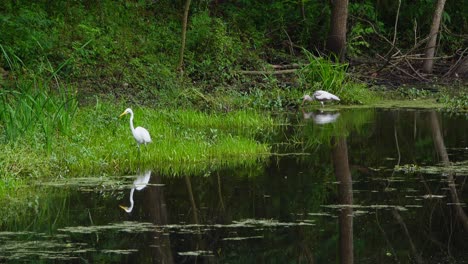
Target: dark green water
[(374, 186)]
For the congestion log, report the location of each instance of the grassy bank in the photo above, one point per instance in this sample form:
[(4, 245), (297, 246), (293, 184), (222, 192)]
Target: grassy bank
[(184, 142)]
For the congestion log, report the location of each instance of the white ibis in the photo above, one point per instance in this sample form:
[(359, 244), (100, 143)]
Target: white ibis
[(321, 96)]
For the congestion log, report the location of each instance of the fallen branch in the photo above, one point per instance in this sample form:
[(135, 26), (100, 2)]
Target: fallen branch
[(461, 60), (287, 66), (278, 72), (415, 71)]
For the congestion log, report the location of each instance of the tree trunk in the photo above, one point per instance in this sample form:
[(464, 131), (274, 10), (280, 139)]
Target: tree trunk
[(180, 67), (336, 41), (431, 44)]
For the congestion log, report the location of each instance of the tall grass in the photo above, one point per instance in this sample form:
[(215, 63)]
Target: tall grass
[(184, 141), (100, 143), (325, 74), (29, 106), (322, 70)]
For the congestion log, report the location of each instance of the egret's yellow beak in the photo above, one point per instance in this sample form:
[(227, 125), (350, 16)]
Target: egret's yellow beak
[(123, 207), (124, 113)]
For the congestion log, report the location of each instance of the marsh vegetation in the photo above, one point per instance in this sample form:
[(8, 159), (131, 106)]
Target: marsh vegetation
[(238, 170)]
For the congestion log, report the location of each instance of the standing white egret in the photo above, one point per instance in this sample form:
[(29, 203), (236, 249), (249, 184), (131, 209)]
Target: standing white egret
[(320, 96), (140, 134), (139, 184)]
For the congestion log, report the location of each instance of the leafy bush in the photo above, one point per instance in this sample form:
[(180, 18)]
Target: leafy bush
[(413, 93), (358, 39), (456, 103)]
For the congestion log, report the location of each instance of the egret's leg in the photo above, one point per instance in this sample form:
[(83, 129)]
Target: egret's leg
[(322, 104)]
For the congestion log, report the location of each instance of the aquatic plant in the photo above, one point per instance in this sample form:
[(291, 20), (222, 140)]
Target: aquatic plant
[(413, 93), (456, 103)]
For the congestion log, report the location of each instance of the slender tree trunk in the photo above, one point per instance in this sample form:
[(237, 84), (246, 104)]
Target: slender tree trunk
[(336, 41), (431, 44), (180, 67)]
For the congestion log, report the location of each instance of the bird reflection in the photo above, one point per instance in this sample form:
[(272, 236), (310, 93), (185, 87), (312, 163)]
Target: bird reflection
[(139, 184), (321, 117)]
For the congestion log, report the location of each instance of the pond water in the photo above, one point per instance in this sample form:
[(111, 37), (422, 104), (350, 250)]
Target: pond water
[(362, 186)]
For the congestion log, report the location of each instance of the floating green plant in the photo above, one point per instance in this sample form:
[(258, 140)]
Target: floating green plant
[(460, 168)]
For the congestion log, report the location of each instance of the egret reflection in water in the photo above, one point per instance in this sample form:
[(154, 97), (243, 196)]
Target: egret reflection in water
[(321, 117), (139, 184)]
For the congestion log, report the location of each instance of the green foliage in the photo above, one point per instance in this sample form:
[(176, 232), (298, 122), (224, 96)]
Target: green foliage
[(133, 46), (34, 111), (324, 74), (321, 70), (30, 107), (211, 61), (27, 33), (357, 93), (304, 23), (414, 93), (107, 45), (457, 103), (358, 43), (35, 105)]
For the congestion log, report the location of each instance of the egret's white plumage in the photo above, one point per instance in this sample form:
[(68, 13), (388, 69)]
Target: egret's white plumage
[(321, 96), (139, 184), (140, 134)]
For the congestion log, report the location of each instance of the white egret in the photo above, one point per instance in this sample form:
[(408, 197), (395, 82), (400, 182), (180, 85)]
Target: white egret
[(139, 184), (140, 134), (321, 96)]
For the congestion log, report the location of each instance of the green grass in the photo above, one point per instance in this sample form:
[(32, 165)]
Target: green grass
[(35, 105), (184, 141), (323, 73)]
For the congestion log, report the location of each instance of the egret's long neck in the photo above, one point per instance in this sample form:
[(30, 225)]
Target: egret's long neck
[(129, 209), (131, 121)]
